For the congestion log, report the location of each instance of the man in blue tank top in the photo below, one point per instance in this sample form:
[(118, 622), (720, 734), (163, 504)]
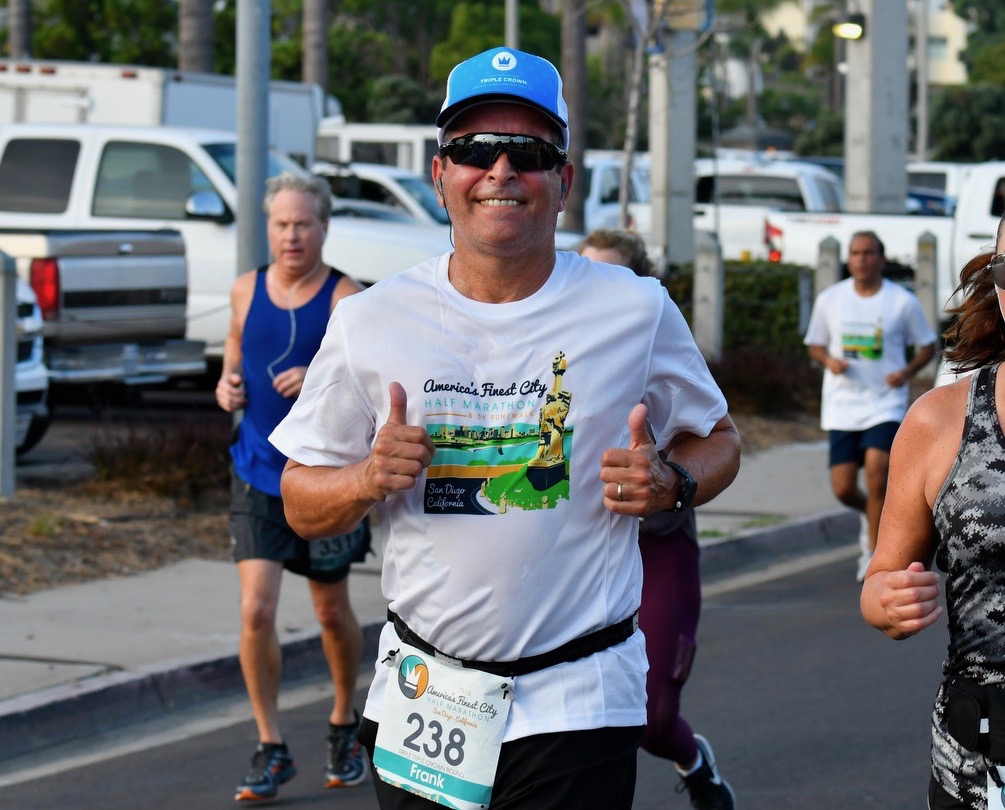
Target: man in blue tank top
[(279, 315)]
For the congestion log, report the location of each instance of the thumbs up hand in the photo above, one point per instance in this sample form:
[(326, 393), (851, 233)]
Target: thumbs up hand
[(401, 451), (636, 482)]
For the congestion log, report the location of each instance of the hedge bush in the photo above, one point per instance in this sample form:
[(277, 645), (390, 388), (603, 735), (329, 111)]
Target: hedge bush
[(764, 366)]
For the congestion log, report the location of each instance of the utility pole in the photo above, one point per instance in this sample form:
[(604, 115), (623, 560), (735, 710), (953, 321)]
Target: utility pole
[(513, 24), (673, 105), (921, 79), (253, 57), (876, 111)]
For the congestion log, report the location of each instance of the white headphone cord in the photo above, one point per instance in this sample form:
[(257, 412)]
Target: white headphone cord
[(293, 323)]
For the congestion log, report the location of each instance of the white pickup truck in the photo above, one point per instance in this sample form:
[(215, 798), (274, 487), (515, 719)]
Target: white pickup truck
[(795, 237), (112, 301), (732, 197), (181, 179)]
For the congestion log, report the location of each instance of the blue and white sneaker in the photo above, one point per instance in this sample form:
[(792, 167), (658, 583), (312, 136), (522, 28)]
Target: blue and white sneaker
[(271, 766), (705, 787)]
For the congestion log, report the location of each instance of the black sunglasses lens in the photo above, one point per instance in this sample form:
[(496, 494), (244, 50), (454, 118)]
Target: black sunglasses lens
[(480, 155), (524, 152), (997, 267)]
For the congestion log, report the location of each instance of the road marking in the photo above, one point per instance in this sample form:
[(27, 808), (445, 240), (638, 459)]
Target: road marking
[(769, 573), (170, 728)]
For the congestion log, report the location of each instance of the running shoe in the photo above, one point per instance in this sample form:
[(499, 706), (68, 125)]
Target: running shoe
[(706, 789), (345, 766), (865, 552), (271, 766)]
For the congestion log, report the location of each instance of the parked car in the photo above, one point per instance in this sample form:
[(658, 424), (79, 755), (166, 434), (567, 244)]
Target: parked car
[(411, 194), (928, 184), (601, 175), (795, 237), (31, 377)]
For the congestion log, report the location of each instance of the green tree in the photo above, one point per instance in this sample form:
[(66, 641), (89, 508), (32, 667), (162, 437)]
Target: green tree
[(823, 136), (747, 38), (477, 25), (140, 32), (986, 15), (397, 99), (968, 123), (988, 64), (987, 27)]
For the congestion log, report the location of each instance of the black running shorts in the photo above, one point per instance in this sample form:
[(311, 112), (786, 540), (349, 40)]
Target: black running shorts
[(258, 530)]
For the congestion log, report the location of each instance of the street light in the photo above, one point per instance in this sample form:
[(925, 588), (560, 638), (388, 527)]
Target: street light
[(851, 27)]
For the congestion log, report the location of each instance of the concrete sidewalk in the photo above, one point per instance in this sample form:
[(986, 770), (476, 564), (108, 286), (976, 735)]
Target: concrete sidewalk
[(85, 658)]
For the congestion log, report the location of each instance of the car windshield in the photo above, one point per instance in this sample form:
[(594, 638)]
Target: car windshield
[(422, 192), (225, 156)]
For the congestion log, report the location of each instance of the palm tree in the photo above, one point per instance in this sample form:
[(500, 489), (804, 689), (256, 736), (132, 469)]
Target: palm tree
[(315, 43), (748, 35), (19, 28), (195, 35)]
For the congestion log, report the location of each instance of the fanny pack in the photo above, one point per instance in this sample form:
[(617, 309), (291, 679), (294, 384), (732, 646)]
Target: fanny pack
[(570, 651), (975, 716)]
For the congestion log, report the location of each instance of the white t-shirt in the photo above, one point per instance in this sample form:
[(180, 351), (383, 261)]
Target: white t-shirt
[(504, 549), (871, 332)]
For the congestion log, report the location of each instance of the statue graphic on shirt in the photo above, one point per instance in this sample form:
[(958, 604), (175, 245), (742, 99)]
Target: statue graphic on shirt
[(863, 346), (548, 465)]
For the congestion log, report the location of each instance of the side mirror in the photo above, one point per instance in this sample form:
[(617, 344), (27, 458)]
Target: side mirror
[(208, 205)]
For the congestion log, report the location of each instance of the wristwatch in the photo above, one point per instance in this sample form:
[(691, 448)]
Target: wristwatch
[(688, 487)]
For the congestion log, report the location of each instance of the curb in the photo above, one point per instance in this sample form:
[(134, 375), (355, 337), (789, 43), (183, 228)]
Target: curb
[(67, 712), (753, 548)]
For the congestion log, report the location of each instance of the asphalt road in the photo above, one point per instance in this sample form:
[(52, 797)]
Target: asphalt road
[(805, 705)]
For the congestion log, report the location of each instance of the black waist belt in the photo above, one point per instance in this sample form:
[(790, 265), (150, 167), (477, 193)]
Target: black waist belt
[(967, 703), (570, 651)]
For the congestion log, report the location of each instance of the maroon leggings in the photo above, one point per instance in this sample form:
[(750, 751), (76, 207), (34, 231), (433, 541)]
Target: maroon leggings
[(671, 604)]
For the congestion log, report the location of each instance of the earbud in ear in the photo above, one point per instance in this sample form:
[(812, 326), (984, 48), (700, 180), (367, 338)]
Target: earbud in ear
[(565, 188), (439, 186)]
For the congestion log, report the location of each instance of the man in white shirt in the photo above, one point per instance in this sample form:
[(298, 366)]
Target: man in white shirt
[(859, 332), (502, 406)]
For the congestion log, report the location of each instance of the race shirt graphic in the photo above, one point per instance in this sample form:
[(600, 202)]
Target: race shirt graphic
[(866, 344), (498, 446)]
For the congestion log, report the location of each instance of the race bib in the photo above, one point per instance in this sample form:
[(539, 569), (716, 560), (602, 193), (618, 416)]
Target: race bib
[(441, 729), (332, 553)]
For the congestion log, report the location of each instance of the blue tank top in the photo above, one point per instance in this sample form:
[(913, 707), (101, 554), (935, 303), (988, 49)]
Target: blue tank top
[(266, 338)]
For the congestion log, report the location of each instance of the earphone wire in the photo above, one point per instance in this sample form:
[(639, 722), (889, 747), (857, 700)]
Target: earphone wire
[(293, 323)]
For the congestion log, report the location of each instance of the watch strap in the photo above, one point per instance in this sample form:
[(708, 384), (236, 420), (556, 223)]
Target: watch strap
[(686, 490)]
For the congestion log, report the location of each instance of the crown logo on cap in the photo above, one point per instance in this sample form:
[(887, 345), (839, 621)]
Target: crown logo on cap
[(504, 61)]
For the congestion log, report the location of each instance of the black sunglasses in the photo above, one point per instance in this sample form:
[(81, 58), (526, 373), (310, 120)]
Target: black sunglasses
[(525, 152), (997, 268)]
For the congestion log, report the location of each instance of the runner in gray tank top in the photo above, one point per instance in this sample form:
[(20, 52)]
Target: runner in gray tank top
[(945, 512)]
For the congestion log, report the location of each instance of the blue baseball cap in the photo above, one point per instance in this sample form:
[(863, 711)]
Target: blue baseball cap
[(504, 74)]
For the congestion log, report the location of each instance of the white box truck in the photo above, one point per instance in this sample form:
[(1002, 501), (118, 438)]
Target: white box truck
[(40, 91)]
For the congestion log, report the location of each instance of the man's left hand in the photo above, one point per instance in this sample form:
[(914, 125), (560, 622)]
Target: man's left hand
[(636, 482)]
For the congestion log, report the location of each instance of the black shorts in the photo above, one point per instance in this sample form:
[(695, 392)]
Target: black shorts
[(587, 770), (259, 531), (850, 445)]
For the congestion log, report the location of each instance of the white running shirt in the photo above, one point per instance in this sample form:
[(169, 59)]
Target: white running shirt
[(871, 332), (504, 549)]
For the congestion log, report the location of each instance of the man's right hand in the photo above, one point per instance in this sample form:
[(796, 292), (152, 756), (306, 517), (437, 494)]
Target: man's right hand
[(230, 392), (401, 451)]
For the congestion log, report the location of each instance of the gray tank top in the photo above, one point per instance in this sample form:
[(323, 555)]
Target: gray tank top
[(969, 515)]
